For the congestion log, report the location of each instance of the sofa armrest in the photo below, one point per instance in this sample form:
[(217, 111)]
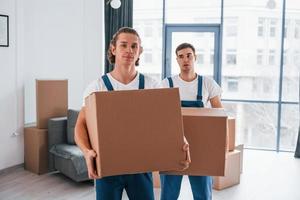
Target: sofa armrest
[(57, 134)]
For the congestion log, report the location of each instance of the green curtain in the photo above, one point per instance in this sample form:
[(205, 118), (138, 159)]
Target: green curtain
[(115, 19)]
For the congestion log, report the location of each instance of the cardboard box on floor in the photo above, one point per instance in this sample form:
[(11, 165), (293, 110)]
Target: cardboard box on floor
[(135, 131), (232, 172), (231, 133), (206, 131), (36, 150), (51, 100)]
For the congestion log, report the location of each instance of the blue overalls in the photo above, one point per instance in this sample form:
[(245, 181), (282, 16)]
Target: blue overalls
[(137, 186), (201, 185)]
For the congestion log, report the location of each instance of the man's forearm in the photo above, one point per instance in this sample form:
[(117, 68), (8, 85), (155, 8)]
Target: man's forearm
[(81, 134)]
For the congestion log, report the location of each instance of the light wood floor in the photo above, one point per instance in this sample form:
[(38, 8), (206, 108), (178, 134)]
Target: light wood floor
[(267, 176)]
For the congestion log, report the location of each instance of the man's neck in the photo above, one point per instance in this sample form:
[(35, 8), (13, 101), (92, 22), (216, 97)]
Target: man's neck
[(124, 74), (188, 76)]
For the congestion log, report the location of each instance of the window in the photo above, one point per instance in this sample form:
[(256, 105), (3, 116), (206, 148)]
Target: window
[(212, 56), (259, 57), (267, 84), (232, 84), (272, 57), (273, 24), (260, 28), (147, 56), (286, 28), (297, 58), (297, 29), (200, 56), (231, 27), (148, 31), (285, 57), (231, 57)]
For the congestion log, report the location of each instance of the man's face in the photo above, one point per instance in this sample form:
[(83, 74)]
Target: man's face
[(127, 49), (186, 59)]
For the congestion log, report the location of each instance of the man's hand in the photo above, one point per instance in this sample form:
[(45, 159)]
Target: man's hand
[(186, 163), (90, 156)]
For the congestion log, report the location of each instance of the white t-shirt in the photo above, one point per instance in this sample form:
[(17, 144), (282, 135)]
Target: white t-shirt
[(98, 85), (188, 90)]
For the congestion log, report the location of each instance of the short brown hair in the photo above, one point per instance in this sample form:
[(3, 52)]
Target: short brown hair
[(112, 58), (184, 46)]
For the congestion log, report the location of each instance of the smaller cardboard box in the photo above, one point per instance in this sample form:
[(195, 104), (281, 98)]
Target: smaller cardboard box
[(232, 172), (206, 132), (231, 133), (156, 179), (36, 150), (51, 100), (135, 131)]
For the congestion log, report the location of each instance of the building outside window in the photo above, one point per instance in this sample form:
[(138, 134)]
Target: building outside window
[(231, 27), (231, 57), (285, 57), (200, 56), (259, 57), (232, 84), (272, 57), (297, 29), (260, 28), (286, 28), (212, 56), (147, 56), (273, 24), (148, 30)]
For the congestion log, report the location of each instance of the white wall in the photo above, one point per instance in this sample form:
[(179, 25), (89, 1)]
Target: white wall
[(56, 39)]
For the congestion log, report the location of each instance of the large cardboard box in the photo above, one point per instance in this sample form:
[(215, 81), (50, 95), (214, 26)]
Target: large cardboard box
[(231, 133), (135, 131), (206, 132), (36, 150), (51, 100), (232, 172)]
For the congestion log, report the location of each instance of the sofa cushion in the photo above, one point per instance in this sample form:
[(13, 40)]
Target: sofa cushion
[(71, 122), (72, 153)]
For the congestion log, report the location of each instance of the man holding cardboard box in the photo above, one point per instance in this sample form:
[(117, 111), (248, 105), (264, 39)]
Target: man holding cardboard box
[(195, 91), (125, 49)]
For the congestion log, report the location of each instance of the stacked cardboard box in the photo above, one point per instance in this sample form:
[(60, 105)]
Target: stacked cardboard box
[(206, 131), (51, 101), (35, 149), (234, 161)]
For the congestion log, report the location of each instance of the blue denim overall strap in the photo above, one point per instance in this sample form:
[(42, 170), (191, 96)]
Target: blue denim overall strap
[(109, 86), (197, 103), (107, 83), (141, 81), (171, 85)]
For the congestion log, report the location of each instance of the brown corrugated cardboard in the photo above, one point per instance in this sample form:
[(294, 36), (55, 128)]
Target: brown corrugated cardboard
[(51, 100), (156, 179), (231, 133), (232, 172), (206, 132), (240, 147), (135, 131), (36, 150)]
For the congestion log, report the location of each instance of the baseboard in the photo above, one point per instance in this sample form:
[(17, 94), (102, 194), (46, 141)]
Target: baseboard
[(12, 168)]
